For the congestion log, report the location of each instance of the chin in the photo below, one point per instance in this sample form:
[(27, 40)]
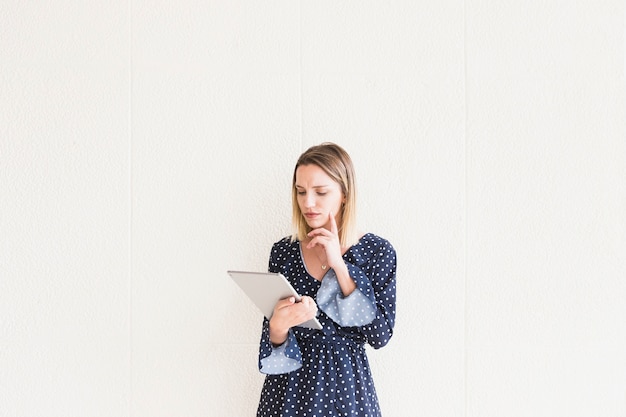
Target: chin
[(316, 224), (313, 225)]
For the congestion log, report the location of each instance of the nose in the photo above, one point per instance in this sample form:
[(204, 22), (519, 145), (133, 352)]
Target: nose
[(309, 200)]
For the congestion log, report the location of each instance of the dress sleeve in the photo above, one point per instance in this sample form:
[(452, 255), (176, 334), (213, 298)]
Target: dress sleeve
[(278, 360), (357, 309), (372, 305), (383, 276), (286, 357)]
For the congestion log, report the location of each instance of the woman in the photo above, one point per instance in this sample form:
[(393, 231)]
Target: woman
[(347, 280)]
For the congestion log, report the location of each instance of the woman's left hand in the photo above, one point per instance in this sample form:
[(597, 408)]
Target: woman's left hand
[(329, 241)]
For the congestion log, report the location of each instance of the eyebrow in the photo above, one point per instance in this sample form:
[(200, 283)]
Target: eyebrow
[(315, 186)]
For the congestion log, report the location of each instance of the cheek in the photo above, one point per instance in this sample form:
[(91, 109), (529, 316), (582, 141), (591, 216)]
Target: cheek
[(336, 206)]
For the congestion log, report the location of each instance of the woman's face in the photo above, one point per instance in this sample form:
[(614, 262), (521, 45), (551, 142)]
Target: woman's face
[(318, 195)]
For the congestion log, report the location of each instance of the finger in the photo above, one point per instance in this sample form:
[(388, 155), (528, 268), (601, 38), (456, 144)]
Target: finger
[(333, 224), (318, 240), (321, 231), (312, 305), (285, 302), (305, 310), (309, 303)]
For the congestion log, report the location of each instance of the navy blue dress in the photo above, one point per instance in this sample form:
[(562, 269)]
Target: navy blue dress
[(325, 373)]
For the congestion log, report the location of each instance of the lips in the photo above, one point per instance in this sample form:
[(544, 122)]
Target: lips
[(311, 215)]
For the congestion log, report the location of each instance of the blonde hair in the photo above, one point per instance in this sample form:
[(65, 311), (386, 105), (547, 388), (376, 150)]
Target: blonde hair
[(336, 163)]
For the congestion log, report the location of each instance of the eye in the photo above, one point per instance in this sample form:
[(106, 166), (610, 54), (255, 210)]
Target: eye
[(321, 193), (301, 192)]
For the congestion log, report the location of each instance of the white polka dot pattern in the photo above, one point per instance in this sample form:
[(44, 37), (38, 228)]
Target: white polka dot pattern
[(326, 373), (353, 310), (280, 361)]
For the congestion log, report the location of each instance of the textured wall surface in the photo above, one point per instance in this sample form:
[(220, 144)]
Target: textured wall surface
[(146, 148)]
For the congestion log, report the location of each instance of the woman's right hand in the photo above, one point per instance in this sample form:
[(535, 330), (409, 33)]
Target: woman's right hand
[(289, 313)]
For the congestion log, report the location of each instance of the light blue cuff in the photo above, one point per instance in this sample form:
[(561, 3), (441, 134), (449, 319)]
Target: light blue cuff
[(284, 358), (354, 310)]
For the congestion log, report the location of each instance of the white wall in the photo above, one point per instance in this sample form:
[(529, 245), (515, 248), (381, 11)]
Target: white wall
[(146, 147)]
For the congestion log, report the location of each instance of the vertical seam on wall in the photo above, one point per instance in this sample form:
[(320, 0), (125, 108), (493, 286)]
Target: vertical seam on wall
[(465, 209), (301, 77), (130, 207)]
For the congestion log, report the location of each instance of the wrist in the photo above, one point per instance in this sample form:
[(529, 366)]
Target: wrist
[(278, 336), (346, 283), (341, 269)]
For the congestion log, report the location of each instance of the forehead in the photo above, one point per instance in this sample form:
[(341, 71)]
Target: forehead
[(313, 176)]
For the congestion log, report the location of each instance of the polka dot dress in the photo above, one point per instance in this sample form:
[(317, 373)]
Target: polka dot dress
[(325, 373)]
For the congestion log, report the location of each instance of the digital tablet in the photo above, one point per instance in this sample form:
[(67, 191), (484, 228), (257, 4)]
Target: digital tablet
[(265, 289)]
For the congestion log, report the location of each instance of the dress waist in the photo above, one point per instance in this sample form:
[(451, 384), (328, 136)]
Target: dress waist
[(331, 339)]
